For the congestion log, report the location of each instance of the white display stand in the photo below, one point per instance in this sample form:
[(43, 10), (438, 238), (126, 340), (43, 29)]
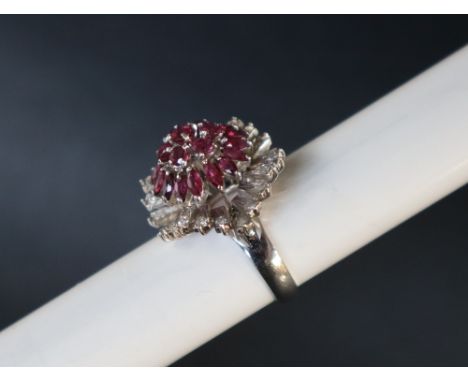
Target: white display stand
[(339, 192)]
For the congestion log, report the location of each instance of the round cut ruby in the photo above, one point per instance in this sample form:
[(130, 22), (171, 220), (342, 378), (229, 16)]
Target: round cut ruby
[(214, 174), (179, 155), (227, 166), (195, 183), (181, 187)]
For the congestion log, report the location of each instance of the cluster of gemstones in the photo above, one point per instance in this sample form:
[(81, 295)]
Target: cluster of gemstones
[(210, 175), (197, 152)]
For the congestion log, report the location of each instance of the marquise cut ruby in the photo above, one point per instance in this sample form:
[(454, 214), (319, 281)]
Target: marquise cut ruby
[(159, 181), (181, 132), (214, 174), (231, 132), (181, 187), (236, 143), (227, 165), (210, 129), (203, 145), (234, 153), (195, 183)]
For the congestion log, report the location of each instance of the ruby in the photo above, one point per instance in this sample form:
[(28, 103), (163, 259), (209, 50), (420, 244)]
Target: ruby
[(227, 165), (154, 175), (188, 130), (169, 186), (203, 145), (181, 187), (231, 132), (236, 143), (214, 174), (199, 145), (219, 128), (234, 153), (159, 181), (176, 136), (178, 154), (195, 183), (164, 153), (163, 148), (210, 129), (181, 132)]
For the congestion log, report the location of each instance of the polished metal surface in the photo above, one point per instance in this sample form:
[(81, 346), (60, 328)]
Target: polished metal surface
[(255, 243), (231, 208)]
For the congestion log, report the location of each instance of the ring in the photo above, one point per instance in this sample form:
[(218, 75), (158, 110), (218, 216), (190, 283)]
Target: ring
[(216, 175)]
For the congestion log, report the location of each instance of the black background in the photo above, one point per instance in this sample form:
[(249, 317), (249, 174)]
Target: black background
[(85, 100)]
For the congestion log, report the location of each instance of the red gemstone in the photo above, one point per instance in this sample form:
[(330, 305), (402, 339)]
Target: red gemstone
[(231, 132), (181, 187), (227, 165), (214, 174), (181, 131), (219, 128), (163, 148), (169, 186), (178, 154), (154, 175), (163, 153), (236, 143), (176, 136), (203, 145), (187, 129), (199, 145), (195, 183), (159, 181), (210, 129), (234, 153)]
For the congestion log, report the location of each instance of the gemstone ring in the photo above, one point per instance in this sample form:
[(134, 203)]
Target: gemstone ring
[(216, 175)]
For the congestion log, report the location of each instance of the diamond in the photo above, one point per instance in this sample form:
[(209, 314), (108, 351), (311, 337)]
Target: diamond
[(244, 201), (151, 202)]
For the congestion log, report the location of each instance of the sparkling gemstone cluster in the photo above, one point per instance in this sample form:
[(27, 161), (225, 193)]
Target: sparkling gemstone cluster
[(210, 175), (196, 153)]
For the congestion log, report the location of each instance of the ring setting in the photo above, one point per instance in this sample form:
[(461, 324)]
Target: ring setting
[(215, 176)]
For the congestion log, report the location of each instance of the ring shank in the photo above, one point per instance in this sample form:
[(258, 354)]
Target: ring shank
[(256, 244)]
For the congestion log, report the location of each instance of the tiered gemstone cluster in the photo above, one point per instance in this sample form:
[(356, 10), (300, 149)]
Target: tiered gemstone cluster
[(210, 175), (196, 154)]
